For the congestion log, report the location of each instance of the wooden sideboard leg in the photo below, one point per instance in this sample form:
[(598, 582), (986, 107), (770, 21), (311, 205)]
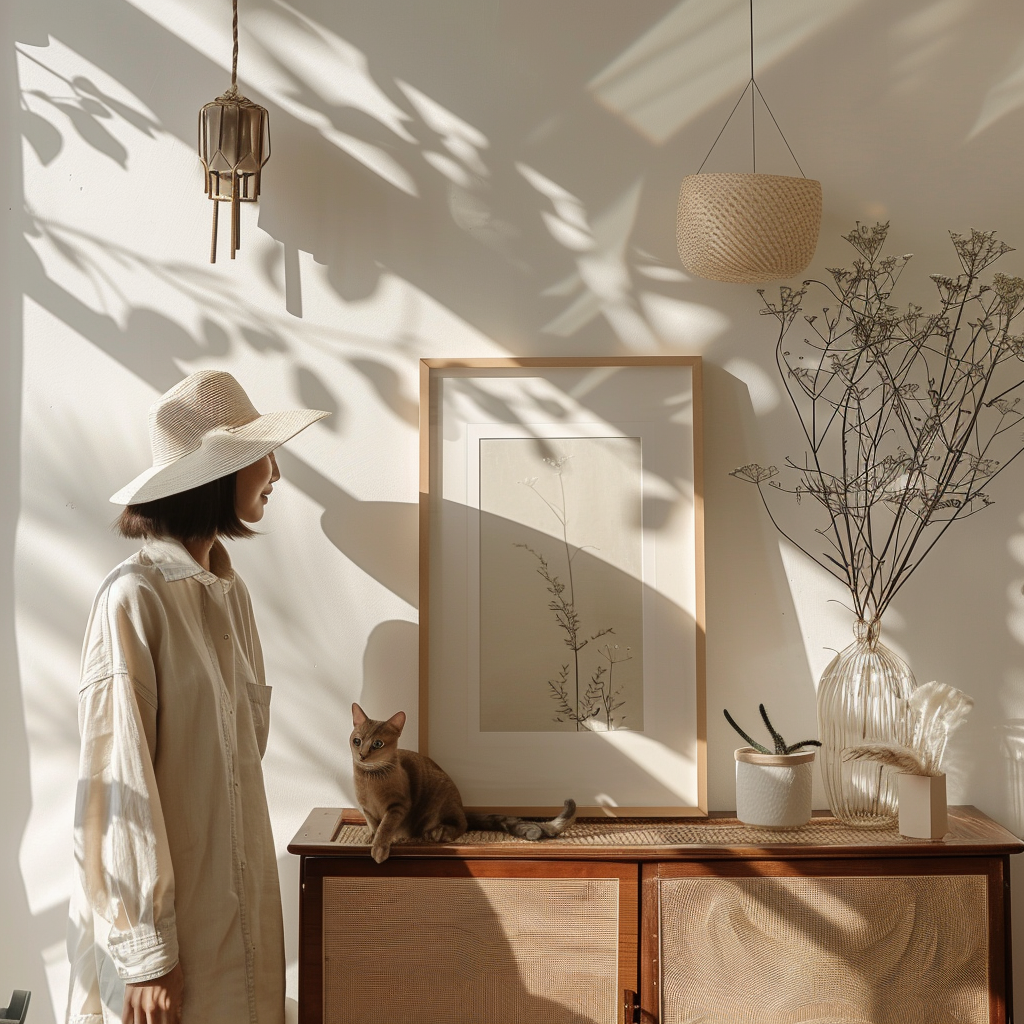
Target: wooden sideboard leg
[(311, 977), (1007, 941)]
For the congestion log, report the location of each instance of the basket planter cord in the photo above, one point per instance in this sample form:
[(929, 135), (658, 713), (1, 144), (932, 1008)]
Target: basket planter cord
[(754, 90)]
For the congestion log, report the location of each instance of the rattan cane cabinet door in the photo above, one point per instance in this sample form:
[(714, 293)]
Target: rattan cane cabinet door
[(858, 943), (464, 942)]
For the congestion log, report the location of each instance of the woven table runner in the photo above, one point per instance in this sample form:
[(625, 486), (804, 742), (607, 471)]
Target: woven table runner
[(819, 832)]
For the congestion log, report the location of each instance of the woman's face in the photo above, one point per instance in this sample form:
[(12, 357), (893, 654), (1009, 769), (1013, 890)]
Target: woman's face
[(253, 486)]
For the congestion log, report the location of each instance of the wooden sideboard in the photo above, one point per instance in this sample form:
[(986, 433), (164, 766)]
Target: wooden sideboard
[(668, 921)]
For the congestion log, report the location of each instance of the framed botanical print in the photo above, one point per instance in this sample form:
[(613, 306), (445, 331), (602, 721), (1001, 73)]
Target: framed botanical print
[(562, 582)]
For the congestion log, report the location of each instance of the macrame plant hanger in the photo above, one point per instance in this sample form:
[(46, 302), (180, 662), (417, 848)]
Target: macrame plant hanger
[(748, 228), (234, 144)]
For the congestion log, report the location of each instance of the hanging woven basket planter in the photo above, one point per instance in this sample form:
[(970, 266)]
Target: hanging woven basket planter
[(747, 228)]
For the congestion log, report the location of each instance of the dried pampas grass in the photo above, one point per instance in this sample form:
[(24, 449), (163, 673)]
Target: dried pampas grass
[(934, 711), (893, 755)]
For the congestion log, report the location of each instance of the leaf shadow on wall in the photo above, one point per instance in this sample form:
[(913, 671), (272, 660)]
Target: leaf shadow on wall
[(378, 536), (392, 654), (398, 177)]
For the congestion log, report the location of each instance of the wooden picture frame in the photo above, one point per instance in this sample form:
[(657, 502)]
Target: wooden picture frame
[(562, 648)]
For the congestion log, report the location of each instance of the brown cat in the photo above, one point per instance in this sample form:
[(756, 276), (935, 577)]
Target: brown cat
[(405, 795)]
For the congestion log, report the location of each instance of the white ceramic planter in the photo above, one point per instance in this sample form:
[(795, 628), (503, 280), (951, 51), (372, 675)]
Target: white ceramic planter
[(923, 811), (773, 790)]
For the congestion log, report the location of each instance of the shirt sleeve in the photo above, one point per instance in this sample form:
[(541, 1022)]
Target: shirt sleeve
[(120, 838)]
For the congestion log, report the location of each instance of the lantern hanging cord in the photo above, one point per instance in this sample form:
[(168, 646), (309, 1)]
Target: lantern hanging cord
[(753, 115), (754, 88), (234, 45)]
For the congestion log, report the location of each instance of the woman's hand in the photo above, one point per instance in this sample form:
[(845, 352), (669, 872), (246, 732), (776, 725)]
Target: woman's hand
[(155, 1002)]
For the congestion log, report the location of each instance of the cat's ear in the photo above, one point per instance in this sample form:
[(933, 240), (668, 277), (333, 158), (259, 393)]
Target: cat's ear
[(397, 720), (358, 715)]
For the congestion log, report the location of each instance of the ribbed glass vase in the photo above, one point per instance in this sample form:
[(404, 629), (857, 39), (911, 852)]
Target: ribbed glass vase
[(862, 699)]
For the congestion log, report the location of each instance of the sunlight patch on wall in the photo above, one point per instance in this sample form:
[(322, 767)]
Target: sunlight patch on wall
[(822, 604), (64, 549), (461, 139), (58, 977), (763, 391), (669, 767), (470, 189), (1006, 96), (687, 326), (1010, 732), (925, 39), (601, 284), (1015, 596), (332, 68), (567, 221), (698, 55)]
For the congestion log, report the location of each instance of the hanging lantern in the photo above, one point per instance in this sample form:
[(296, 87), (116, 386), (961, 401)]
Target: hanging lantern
[(748, 228), (234, 144)]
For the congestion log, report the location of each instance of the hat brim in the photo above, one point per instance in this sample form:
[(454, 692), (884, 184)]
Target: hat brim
[(222, 451)]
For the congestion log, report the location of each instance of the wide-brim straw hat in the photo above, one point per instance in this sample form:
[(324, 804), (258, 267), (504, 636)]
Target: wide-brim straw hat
[(204, 428)]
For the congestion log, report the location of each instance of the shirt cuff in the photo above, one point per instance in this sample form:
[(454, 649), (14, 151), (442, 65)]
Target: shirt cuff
[(142, 958)]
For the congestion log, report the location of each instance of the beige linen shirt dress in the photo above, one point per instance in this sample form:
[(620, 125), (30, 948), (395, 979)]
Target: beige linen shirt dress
[(174, 852)]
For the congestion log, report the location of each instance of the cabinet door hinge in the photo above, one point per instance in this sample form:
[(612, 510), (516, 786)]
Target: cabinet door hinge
[(633, 1012), (630, 1007)]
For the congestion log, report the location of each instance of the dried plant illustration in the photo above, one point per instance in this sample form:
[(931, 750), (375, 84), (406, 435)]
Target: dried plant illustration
[(593, 703), (906, 416), (601, 693)]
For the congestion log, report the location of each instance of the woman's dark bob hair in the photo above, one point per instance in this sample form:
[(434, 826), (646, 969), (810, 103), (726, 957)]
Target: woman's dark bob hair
[(201, 513)]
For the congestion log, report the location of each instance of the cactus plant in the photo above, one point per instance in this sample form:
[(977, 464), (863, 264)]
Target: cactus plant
[(781, 747)]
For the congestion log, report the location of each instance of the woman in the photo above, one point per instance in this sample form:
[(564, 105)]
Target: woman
[(176, 914)]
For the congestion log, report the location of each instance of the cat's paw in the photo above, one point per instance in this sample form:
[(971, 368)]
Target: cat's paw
[(380, 852), (441, 834)]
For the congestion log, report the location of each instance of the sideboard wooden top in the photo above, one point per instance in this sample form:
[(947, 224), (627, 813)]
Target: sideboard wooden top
[(342, 832)]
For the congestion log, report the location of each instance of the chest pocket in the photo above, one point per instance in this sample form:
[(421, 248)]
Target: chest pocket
[(259, 705)]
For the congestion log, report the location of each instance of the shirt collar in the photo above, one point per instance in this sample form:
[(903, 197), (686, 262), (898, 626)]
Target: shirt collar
[(171, 557)]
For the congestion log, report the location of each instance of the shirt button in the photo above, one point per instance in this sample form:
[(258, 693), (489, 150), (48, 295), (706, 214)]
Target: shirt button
[(227, 636)]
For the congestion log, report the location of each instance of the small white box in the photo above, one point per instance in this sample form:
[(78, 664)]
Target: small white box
[(923, 806)]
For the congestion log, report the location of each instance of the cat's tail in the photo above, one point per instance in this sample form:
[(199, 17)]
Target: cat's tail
[(522, 827)]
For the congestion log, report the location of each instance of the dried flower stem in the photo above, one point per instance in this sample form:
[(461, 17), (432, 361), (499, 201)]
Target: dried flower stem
[(901, 412), (563, 605)]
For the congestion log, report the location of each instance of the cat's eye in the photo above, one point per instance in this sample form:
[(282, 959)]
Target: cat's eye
[(377, 744), (356, 741)]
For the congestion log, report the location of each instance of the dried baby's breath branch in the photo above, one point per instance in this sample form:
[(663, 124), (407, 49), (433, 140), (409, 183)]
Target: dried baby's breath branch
[(906, 416)]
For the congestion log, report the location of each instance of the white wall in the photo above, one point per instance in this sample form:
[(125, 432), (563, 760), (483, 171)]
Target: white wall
[(460, 178)]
